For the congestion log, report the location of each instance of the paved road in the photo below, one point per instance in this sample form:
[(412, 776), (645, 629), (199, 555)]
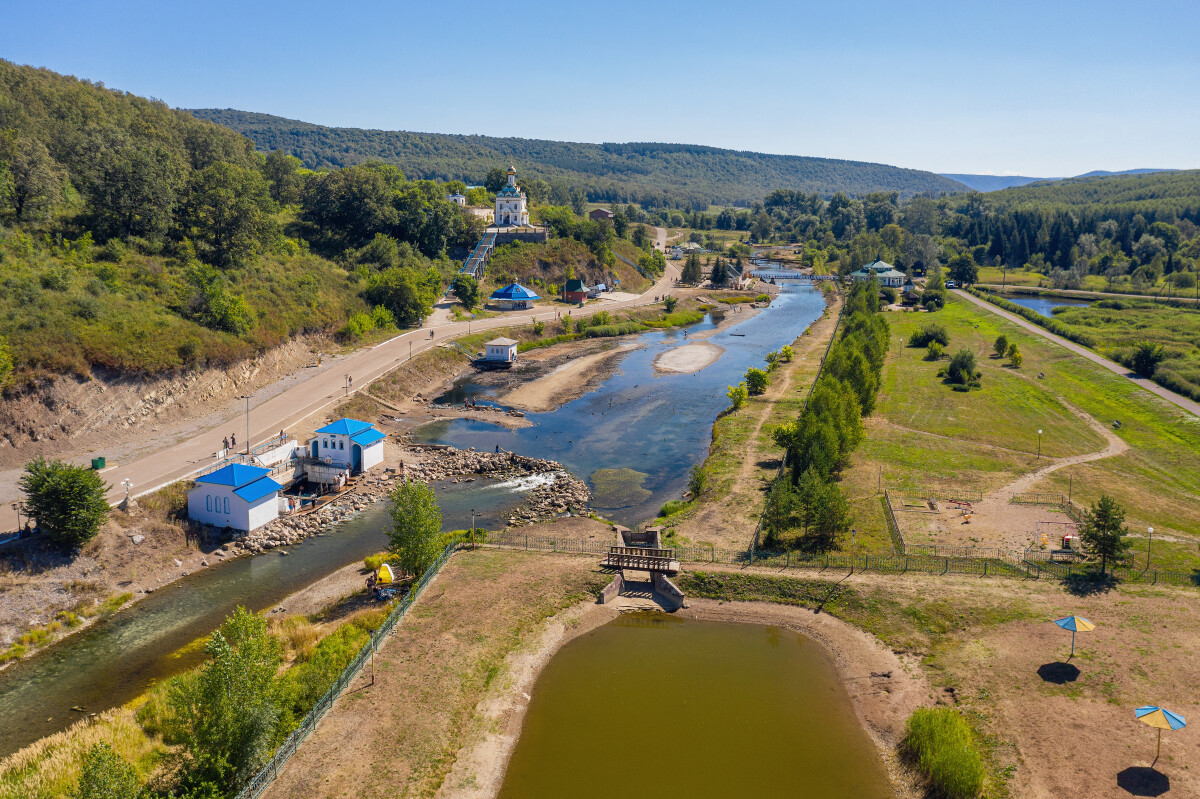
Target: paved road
[(1149, 385), (1087, 295), (288, 409)]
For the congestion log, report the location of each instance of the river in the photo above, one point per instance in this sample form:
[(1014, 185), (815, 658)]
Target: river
[(1043, 305), (692, 709), (656, 425)]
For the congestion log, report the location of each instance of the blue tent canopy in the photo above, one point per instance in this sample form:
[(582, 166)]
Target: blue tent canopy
[(514, 291)]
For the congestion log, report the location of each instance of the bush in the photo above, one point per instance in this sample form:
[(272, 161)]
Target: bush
[(889, 294), (787, 353), (928, 333), (67, 501), (669, 303), (671, 507), (935, 351), (962, 367), (941, 744), (737, 395), (619, 329), (1146, 358), (757, 380), (1001, 345), (762, 298), (539, 327)]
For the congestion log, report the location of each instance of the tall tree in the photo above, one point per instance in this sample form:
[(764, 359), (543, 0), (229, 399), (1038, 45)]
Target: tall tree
[(227, 213), (106, 775), (1104, 530), (416, 525)]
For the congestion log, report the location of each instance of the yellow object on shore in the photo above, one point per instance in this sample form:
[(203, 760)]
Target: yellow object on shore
[(385, 574)]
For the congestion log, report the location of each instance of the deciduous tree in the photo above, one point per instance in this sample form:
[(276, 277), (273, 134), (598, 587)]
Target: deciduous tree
[(67, 501), (416, 525)]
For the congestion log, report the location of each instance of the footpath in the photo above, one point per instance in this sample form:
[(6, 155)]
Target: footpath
[(287, 409)]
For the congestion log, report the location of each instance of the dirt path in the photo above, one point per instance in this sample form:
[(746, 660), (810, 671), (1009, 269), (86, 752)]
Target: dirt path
[(1116, 446), (1149, 385)]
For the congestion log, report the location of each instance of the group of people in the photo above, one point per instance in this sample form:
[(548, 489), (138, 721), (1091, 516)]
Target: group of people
[(229, 442), (469, 402)]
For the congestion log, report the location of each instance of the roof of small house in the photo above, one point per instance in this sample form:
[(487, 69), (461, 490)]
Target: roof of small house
[(260, 488), (345, 427), (514, 291), (367, 437), (574, 284), (501, 342), (878, 267), (234, 474)]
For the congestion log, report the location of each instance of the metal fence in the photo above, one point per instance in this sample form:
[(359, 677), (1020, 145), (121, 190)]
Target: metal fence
[(1125, 574), (1035, 498), (953, 493), (259, 782)]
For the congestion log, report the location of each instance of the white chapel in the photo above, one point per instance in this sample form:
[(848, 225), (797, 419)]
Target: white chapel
[(511, 206)]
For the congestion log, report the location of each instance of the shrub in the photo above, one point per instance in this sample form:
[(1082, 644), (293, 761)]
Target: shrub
[(757, 380), (1146, 358), (787, 353), (671, 507), (942, 745), (889, 294), (669, 303), (935, 351), (539, 327), (737, 395), (773, 360), (962, 367), (619, 329), (928, 333), (107, 775), (697, 480), (763, 298), (1001, 345)]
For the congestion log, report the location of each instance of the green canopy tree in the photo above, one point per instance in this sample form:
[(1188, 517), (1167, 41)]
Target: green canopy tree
[(106, 775), (1104, 531), (227, 213), (416, 525), (466, 288), (67, 501)]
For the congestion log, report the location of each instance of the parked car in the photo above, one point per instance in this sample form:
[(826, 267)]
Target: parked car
[(950, 284)]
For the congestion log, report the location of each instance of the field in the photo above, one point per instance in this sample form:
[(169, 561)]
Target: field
[(994, 275), (924, 435)]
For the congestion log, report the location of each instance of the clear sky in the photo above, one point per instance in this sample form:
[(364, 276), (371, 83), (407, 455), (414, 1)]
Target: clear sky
[(1045, 88)]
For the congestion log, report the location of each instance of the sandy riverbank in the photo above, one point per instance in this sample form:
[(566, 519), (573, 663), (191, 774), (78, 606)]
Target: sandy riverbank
[(566, 382), (883, 687), (688, 358)]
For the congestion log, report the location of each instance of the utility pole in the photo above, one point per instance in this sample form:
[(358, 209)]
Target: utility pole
[(1148, 543), (247, 425)]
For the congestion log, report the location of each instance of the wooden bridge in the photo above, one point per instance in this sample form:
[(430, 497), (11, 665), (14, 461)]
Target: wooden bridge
[(641, 559)]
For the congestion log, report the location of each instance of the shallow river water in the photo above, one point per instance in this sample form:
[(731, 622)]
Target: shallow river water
[(665, 706), (656, 424)]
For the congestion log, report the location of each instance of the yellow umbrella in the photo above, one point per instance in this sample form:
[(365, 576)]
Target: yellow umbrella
[(1075, 624), (1161, 719)]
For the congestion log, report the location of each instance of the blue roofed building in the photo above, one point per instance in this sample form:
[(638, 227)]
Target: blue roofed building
[(237, 496), (347, 444), (513, 297)]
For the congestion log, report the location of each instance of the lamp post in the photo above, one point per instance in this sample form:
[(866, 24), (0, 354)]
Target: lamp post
[(472, 529), (247, 398), (1149, 541), (17, 507), (1039, 445)]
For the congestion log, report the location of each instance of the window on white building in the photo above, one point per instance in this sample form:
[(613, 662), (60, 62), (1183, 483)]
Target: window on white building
[(227, 504), (208, 502), (341, 445)]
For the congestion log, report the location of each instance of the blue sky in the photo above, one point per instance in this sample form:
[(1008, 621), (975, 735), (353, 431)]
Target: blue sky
[(1039, 88)]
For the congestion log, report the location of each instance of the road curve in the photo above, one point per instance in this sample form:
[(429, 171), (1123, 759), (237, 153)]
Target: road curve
[(1116, 368)]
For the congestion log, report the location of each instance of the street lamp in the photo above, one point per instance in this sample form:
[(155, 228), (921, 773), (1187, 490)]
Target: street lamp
[(17, 507), (472, 529), (1148, 543), (1039, 445), (247, 398)]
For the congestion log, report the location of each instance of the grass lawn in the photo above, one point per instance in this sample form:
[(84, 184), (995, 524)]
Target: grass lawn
[(925, 433)]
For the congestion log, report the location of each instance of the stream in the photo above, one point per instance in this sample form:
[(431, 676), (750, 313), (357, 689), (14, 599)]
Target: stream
[(657, 426)]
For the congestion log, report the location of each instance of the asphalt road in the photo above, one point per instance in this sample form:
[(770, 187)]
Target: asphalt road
[(288, 409)]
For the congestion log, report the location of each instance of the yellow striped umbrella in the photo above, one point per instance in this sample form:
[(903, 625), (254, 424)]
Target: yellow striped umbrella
[(1161, 719)]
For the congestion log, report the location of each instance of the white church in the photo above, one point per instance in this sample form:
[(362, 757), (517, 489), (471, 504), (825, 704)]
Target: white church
[(512, 208)]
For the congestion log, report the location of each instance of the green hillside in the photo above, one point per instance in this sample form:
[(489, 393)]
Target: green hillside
[(680, 175), (1156, 188)]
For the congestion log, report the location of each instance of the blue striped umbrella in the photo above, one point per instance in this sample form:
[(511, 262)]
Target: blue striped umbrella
[(1161, 719)]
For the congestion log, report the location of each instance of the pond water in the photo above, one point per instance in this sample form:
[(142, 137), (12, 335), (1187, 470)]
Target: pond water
[(692, 709), (658, 425), (1042, 305), (115, 660)]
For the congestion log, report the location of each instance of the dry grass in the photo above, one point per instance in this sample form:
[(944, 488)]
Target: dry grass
[(50, 767)]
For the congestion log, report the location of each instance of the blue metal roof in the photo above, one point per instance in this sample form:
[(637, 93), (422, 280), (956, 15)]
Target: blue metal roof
[(514, 291), (509, 191), (258, 489), (345, 427), (235, 474), (367, 437)]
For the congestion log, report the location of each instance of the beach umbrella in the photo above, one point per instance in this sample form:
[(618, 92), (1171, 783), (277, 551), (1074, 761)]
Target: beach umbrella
[(1075, 624), (1161, 719)]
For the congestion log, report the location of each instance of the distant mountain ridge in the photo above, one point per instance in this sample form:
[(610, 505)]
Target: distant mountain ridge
[(998, 182), (676, 174)]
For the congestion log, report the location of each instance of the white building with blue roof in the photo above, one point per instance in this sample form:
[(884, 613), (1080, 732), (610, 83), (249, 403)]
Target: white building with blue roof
[(238, 496), (347, 444)]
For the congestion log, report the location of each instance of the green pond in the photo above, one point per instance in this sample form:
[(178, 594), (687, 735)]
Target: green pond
[(693, 709)]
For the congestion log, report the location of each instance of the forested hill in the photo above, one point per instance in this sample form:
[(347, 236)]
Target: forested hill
[(689, 176), (1110, 190)]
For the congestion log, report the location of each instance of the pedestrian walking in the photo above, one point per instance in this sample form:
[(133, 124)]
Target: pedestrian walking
[(233, 440), (225, 443)]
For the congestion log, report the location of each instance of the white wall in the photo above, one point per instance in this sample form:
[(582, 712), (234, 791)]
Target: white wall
[(372, 455), (241, 515)]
